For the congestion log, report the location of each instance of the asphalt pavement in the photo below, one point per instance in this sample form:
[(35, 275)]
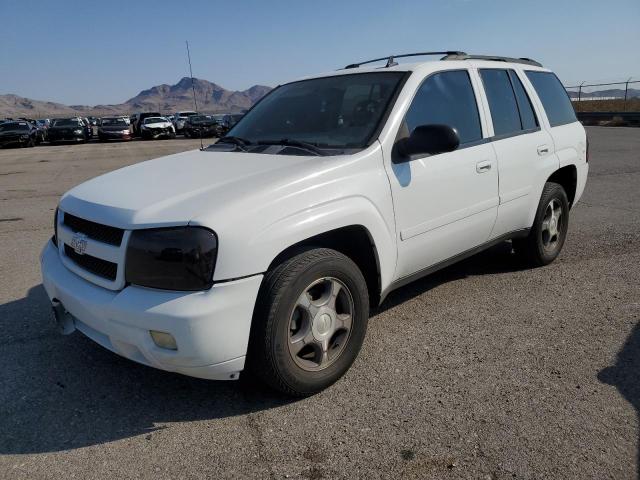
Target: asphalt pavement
[(485, 370)]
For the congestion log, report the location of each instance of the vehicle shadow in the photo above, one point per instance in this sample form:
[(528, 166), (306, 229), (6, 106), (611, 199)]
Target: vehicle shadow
[(65, 392), (497, 259), (625, 376)]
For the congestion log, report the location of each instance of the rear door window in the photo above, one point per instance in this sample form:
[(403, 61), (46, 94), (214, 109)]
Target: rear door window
[(527, 115), (502, 102), (553, 96), (447, 98)]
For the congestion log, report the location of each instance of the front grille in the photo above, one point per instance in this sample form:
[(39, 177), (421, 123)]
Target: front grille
[(95, 231), (97, 266)]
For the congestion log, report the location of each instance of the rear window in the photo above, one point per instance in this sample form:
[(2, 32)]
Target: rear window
[(553, 96)]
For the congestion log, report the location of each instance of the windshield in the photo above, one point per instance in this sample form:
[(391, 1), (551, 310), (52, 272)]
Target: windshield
[(114, 122), (4, 127), (155, 120), (66, 122), (200, 118), (187, 114), (340, 112)]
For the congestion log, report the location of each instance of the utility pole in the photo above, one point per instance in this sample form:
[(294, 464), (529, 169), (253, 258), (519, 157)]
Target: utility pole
[(580, 91), (626, 89)]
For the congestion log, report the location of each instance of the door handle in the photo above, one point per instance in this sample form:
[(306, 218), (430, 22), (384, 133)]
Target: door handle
[(482, 167), (543, 150)]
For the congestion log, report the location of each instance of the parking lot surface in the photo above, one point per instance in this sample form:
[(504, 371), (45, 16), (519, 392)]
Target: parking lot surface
[(484, 370)]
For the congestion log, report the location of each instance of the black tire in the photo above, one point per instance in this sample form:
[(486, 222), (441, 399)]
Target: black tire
[(533, 249), (269, 357)]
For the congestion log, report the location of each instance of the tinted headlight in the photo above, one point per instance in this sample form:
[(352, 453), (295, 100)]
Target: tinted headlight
[(176, 258)]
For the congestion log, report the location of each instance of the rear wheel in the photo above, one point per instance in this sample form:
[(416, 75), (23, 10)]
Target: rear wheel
[(549, 230), (310, 322)]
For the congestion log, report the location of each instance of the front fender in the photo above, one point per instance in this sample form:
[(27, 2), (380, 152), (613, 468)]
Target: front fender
[(260, 250)]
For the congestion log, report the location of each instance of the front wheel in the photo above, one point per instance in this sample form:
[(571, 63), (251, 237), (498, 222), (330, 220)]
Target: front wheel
[(549, 230), (310, 322)]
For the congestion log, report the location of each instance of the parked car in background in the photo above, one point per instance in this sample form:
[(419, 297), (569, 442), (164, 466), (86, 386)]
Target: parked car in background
[(44, 123), (41, 132), (88, 127), (157, 127), (179, 118), (137, 120), (113, 128), (18, 133), (67, 130), (198, 126), (231, 119)]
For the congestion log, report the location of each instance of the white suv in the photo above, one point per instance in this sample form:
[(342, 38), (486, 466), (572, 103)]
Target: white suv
[(268, 248)]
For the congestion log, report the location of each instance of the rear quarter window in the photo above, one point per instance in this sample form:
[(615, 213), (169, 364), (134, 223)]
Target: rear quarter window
[(553, 96)]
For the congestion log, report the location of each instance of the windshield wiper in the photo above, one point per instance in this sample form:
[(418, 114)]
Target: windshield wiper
[(237, 141), (294, 143)]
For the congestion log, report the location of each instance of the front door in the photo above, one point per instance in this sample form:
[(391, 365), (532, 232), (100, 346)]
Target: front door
[(445, 204)]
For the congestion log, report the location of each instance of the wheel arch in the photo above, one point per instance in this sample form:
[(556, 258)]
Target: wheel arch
[(567, 177), (354, 241)]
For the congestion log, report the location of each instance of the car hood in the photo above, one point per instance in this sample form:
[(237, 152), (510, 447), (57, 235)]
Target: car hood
[(175, 189), (157, 125)]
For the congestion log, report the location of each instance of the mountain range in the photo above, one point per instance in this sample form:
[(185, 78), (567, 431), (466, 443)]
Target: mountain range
[(210, 97), (610, 93)]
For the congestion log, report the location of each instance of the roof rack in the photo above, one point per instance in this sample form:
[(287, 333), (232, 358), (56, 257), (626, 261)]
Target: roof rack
[(391, 58), (464, 56)]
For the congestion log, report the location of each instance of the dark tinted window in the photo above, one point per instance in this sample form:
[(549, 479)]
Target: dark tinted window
[(527, 115), (447, 98), (553, 96), (342, 111), (502, 101)]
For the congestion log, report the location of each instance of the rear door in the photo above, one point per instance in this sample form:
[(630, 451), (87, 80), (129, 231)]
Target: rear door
[(444, 204), (569, 136), (524, 150)]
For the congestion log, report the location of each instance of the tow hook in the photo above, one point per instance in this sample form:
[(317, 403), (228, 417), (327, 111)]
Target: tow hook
[(63, 319)]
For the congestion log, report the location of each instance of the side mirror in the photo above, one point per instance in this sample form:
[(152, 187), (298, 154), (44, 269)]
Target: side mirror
[(428, 139)]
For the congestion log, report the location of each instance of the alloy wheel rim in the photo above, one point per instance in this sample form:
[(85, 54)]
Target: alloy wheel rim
[(552, 225), (320, 324)]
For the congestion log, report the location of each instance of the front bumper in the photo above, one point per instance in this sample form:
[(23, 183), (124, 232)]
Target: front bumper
[(66, 137), (157, 133), (211, 328), (106, 135), (205, 132), (13, 140)]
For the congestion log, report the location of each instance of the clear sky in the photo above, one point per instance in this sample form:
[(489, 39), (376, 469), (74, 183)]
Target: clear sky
[(94, 52)]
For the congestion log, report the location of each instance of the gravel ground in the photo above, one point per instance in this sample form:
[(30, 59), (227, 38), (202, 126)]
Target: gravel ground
[(483, 370)]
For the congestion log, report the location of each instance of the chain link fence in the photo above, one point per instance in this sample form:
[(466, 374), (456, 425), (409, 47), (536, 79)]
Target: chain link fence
[(623, 96)]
